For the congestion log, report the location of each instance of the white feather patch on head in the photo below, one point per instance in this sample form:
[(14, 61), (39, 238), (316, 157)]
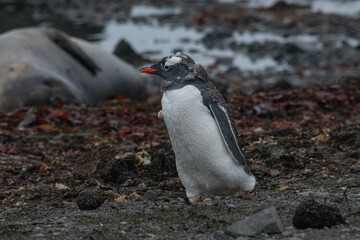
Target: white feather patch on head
[(172, 60)]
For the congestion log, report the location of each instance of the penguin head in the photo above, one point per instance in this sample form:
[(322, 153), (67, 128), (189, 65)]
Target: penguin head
[(176, 68)]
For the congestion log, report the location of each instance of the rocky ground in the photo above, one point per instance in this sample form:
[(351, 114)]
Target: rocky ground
[(302, 142)]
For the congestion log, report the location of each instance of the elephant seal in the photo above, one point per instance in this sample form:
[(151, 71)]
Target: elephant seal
[(41, 65)]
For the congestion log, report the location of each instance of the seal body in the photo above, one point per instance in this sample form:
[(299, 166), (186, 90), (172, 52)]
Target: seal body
[(203, 162), (40, 65)]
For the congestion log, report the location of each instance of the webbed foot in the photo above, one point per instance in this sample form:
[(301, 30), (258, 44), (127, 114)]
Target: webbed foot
[(160, 114)]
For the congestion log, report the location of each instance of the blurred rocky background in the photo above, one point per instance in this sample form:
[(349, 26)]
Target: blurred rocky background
[(245, 45)]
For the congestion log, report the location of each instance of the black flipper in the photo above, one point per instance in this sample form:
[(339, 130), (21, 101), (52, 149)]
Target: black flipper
[(65, 43), (227, 130), (217, 106)]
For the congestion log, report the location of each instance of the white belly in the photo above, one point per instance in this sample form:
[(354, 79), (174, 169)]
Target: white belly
[(202, 159)]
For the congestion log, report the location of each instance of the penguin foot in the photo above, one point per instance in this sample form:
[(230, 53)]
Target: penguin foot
[(160, 114), (191, 200), (249, 193), (187, 201), (194, 199)]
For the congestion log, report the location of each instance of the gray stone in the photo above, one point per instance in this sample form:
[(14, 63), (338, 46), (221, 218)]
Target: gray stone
[(148, 196), (312, 214), (220, 235), (265, 221), (124, 51), (38, 236)]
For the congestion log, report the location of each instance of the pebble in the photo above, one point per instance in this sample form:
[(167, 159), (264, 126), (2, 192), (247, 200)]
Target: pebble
[(315, 194), (148, 196), (220, 234), (38, 222), (62, 220), (38, 236), (230, 205), (90, 198), (265, 221), (83, 228)]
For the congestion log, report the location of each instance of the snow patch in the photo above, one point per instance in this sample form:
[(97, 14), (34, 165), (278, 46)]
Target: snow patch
[(244, 63), (345, 8), (262, 37), (151, 11)]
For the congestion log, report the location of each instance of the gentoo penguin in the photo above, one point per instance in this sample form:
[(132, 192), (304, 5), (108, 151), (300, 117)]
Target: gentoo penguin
[(201, 129)]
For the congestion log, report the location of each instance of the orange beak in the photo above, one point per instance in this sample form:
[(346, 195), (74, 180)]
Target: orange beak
[(148, 70)]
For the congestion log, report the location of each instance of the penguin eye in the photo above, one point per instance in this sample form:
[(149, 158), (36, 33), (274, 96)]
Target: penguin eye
[(167, 67)]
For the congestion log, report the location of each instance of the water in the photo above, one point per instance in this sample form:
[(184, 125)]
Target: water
[(154, 41)]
